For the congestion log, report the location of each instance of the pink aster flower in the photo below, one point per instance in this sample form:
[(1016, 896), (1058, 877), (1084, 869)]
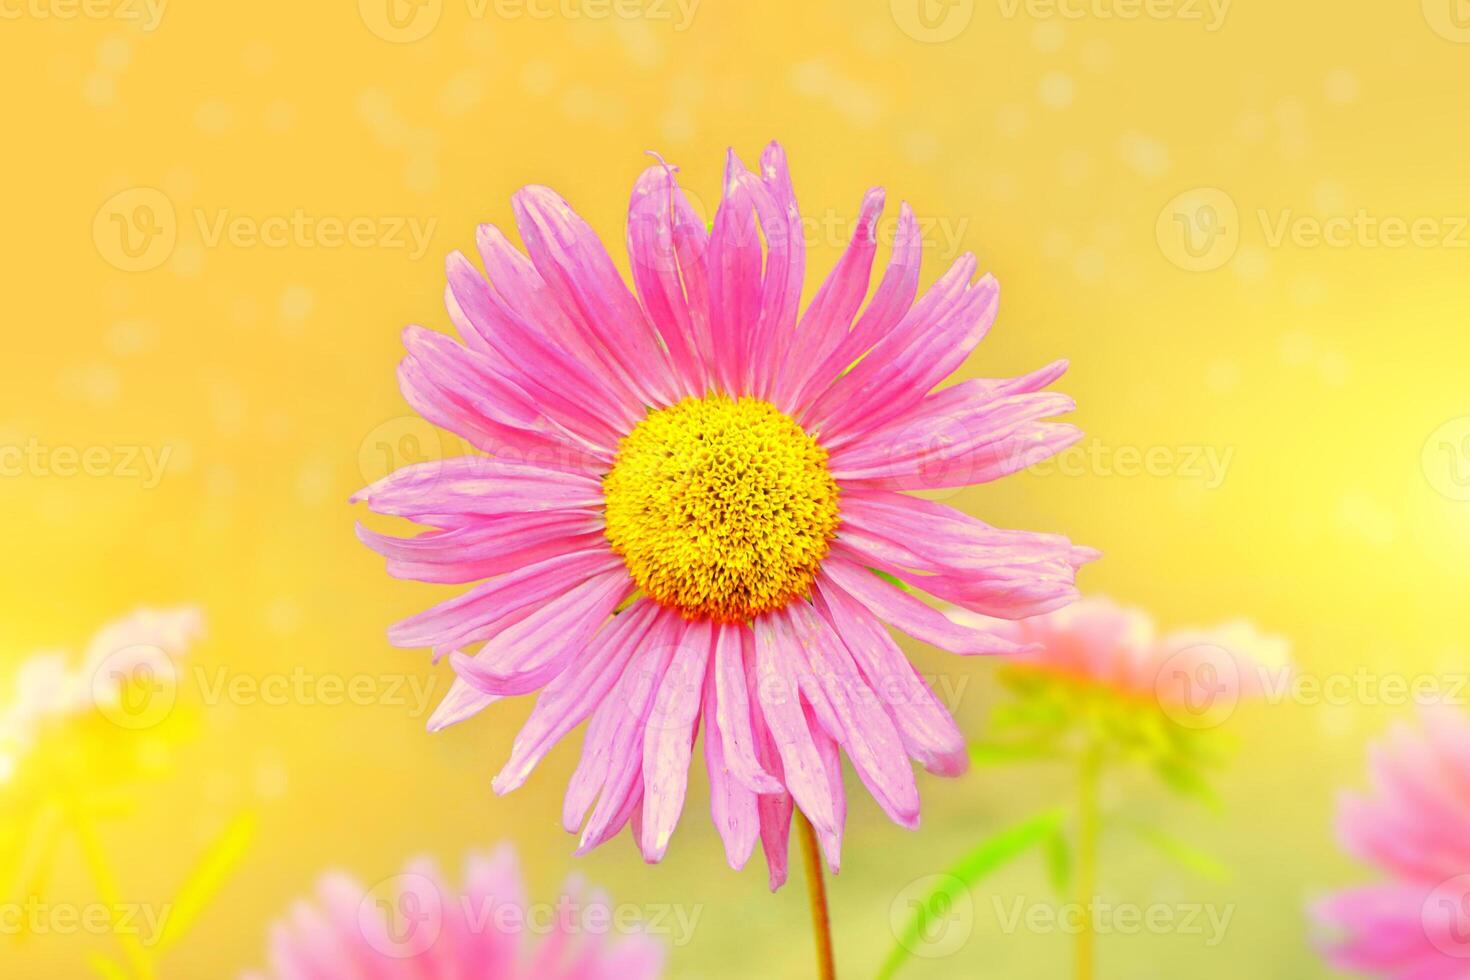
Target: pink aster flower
[(1415, 828), (687, 490), (415, 926), (1098, 643)]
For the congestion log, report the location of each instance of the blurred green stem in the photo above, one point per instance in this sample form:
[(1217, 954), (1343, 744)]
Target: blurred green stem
[(106, 882), (1087, 833), (817, 889)]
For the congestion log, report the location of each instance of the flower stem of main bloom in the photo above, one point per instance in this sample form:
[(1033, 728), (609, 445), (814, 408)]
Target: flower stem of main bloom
[(817, 889), (1087, 834)]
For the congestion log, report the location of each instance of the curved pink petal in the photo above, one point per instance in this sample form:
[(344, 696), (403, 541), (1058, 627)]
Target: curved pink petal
[(532, 652), (575, 694), (929, 733), (910, 614), (668, 741), (585, 283), (780, 700), (826, 323), (659, 271)]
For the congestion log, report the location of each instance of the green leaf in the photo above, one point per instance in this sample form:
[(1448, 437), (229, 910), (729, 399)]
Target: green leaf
[(983, 860), (106, 968), (891, 579), (1182, 853), (1058, 861), (1188, 782), (208, 877), (1001, 753)]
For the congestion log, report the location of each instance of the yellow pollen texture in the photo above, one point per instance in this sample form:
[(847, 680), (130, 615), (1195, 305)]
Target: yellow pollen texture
[(721, 509)]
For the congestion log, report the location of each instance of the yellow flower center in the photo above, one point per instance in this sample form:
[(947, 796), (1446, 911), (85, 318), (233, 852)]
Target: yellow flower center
[(720, 508)]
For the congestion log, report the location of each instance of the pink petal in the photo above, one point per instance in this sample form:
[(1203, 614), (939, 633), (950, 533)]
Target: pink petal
[(531, 653), (825, 325), (734, 264), (584, 281), (654, 255), (669, 740), (473, 615), (732, 804), (780, 703), (612, 752), (865, 728), (734, 650), (929, 733), (910, 614), (576, 693), (891, 301)]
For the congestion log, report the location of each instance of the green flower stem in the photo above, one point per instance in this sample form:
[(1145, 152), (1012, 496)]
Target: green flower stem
[(1087, 834)]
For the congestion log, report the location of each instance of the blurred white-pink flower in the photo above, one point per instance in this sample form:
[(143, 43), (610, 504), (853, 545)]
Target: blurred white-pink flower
[(415, 926)]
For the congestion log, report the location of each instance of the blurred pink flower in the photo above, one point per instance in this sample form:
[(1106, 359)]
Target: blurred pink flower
[(49, 687), (1414, 826), (736, 469), (414, 926), (1098, 643)]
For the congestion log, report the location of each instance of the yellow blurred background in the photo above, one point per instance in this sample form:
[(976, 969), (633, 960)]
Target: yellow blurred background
[(1244, 222)]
